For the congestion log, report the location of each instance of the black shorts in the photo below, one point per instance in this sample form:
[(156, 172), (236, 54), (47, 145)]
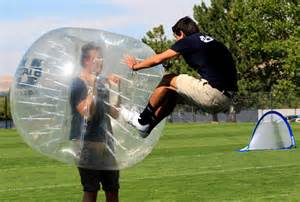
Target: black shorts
[(91, 180)]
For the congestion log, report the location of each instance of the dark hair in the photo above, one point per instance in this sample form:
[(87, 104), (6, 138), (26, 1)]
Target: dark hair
[(85, 51), (186, 25)]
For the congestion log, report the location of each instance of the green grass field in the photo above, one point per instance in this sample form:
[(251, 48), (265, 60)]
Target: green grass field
[(192, 162)]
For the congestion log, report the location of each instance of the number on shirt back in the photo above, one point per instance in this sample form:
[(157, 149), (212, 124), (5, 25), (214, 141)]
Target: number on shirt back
[(206, 39)]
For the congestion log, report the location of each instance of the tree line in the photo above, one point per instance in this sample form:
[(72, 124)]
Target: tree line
[(4, 109)]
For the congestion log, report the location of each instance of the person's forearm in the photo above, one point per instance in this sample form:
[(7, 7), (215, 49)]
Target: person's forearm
[(147, 63), (154, 60), (114, 97), (85, 107)]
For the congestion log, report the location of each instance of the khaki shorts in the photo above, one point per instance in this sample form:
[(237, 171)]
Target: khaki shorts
[(204, 95)]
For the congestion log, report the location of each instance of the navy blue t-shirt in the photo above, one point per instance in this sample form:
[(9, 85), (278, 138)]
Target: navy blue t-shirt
[(210, 58), (99, 124)]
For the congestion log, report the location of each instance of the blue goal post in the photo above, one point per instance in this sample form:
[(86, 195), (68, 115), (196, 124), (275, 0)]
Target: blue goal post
[(272, 132)]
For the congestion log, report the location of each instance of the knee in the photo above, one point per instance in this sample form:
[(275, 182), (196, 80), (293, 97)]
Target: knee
[(173, 83), (162, 90), (167, 79)]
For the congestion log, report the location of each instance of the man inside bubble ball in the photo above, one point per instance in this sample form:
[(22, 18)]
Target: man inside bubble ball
[(212, 91), (91, 128)]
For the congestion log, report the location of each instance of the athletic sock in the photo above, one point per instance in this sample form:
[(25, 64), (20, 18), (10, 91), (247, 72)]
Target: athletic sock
[(154, 122), (147, 115), (152, 125)]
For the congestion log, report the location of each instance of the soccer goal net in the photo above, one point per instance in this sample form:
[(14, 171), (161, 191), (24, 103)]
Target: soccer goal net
[(272, 131)]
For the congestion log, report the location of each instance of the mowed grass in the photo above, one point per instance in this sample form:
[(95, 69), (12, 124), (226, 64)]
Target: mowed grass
[(192, 162)]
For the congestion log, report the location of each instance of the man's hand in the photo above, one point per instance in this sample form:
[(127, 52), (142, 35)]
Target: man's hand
[(85, 107), (113, 79), (149, 62), (130, 61)]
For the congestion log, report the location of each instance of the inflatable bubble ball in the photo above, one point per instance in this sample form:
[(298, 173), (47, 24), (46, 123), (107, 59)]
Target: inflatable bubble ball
[(67, 94)]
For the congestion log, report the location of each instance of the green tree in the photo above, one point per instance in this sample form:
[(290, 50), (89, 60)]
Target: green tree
[(157, 39)]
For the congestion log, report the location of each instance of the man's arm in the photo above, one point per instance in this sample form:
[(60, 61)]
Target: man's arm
[(85, 106), (151, 61), (114, 83), (86, 103)]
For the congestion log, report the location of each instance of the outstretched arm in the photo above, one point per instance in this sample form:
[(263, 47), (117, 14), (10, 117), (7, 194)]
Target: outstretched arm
[(149, 62)]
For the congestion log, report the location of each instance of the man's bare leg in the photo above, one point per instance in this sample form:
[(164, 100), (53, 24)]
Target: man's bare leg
[(112, 196), (89, 196), (161, 91), (165, 109), (161, 104)]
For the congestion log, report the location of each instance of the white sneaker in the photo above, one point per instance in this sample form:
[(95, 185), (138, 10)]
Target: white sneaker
[(132, 118), (126, 114)]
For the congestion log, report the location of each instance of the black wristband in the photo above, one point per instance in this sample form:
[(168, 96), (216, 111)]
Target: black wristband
[(132, 67)]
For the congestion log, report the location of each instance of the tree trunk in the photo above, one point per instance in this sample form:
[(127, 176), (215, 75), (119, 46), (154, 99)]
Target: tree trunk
[(215, 117)]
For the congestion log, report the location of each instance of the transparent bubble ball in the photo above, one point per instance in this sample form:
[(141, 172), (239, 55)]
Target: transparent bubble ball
[(50, 107)]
